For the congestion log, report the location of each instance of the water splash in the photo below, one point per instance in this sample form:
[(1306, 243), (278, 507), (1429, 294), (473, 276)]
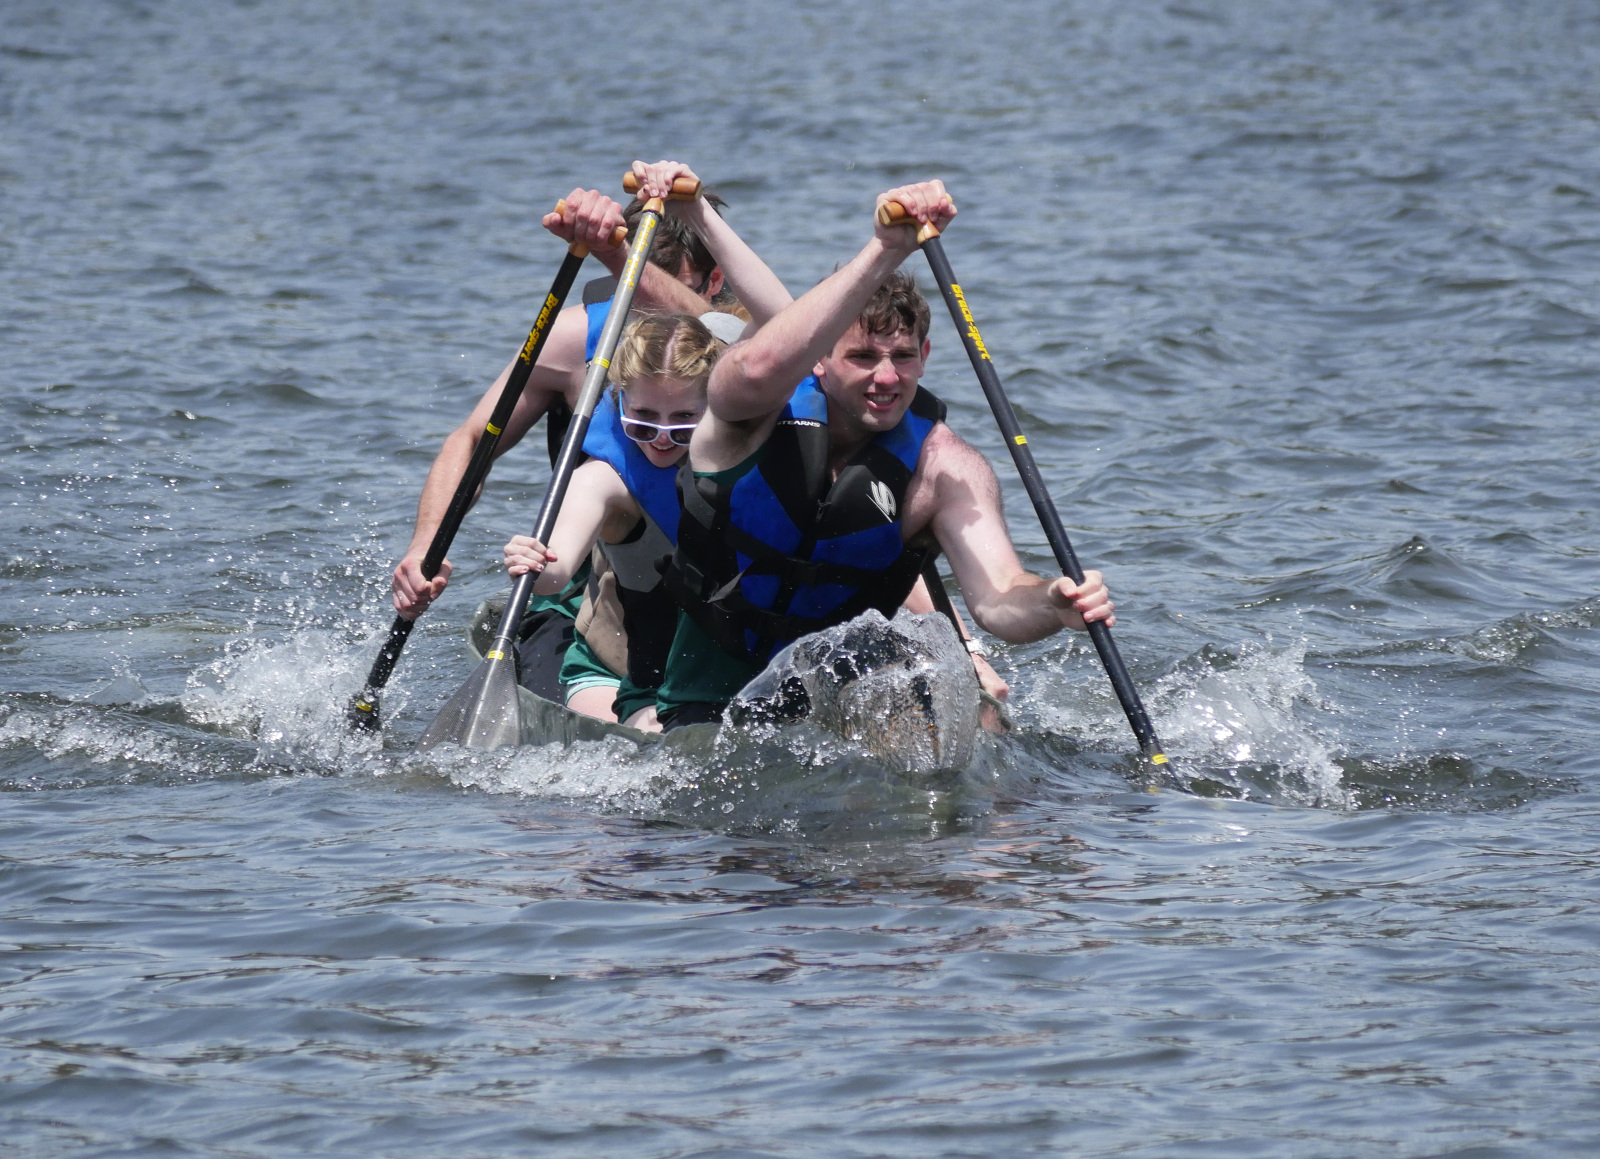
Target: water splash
[(100, 745), (1237, 718), (1508, 641), (289, 696), (123, 687), (903, 690), (844, 769), (613, 774), (1234, 721)]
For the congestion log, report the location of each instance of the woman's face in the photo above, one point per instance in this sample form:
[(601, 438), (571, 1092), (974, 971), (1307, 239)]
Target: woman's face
[(664, 402)]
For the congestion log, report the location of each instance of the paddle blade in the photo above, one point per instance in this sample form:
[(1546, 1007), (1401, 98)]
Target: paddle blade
[(484, 712)]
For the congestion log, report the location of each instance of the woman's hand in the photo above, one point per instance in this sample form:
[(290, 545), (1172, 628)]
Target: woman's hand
[(525, 553)]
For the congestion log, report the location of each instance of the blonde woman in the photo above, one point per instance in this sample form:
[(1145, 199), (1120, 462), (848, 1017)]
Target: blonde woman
[(624, 500)]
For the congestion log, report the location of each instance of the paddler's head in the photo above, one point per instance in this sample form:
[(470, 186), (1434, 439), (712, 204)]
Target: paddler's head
[(679, 250), (660, 371), (871, 374)]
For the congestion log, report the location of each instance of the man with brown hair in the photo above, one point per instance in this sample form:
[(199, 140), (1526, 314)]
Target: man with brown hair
[(823, 476)]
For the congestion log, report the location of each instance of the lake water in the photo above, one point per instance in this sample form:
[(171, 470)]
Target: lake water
[(1299, 304)]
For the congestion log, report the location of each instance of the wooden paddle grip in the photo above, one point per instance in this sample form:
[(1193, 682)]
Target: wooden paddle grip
[(683, 189), (893, 213), (618, 235)]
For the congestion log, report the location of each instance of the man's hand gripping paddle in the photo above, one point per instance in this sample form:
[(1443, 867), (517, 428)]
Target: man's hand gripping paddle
[(362, 713), (892, 213), (485, 712)]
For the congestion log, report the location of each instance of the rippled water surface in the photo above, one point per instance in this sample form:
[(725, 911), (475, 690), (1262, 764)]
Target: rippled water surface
[(1299, 304)]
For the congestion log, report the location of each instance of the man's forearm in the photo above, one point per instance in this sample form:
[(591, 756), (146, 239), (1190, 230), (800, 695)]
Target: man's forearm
[(440, 487), (757, 376), (1021, 614), (658, 290)]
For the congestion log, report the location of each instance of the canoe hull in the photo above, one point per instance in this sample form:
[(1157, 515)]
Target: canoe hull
[(915, 707)]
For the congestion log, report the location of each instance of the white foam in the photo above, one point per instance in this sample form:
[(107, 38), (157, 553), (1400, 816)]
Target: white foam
[(612, 772), (1252, 714), (289, 696), (1223, 716), (92, 735)]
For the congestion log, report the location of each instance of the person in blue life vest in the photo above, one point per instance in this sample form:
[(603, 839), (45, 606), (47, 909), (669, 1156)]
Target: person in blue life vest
[(624, 499), (823, 476), (681, 277)]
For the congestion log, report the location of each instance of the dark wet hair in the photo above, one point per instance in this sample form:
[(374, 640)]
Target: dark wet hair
[(675, 241), (898, 305)]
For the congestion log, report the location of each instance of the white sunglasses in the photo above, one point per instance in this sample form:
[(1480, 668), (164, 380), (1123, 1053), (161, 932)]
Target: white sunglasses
[(644, 432)]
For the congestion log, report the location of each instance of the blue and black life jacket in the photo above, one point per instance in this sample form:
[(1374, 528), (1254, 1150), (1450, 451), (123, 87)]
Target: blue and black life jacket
[(785, 549), (649, 613)]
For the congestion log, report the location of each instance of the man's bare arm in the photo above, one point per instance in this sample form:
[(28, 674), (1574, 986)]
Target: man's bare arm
[(921, 602), (591, 217), (756, 377), (969, 523), (560, 366)]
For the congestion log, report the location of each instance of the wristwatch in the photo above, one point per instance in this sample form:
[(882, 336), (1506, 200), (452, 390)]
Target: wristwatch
[(975, 647)]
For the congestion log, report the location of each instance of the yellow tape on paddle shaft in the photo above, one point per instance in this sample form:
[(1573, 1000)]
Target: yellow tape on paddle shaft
[(1158, 758), (499, 655)]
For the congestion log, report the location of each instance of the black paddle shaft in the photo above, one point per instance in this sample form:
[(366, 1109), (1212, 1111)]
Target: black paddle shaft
[(363, 712), (1033, 482)]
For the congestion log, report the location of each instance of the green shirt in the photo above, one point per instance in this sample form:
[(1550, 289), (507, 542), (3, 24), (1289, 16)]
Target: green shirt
[(698, 670)]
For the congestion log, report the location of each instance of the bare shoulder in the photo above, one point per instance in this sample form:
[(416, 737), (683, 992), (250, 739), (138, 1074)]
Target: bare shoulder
[(599, 479), (564, 349), (949, 460), (949, 470), (719, 444)]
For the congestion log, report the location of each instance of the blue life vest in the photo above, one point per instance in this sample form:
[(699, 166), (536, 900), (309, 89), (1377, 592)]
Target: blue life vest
[(559, 417), (786, 549), (597, 313)]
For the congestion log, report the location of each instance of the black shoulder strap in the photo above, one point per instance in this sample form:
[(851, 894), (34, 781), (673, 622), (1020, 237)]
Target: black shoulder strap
[(795, 466), (556, 421), (927, 405), (599, 290)]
